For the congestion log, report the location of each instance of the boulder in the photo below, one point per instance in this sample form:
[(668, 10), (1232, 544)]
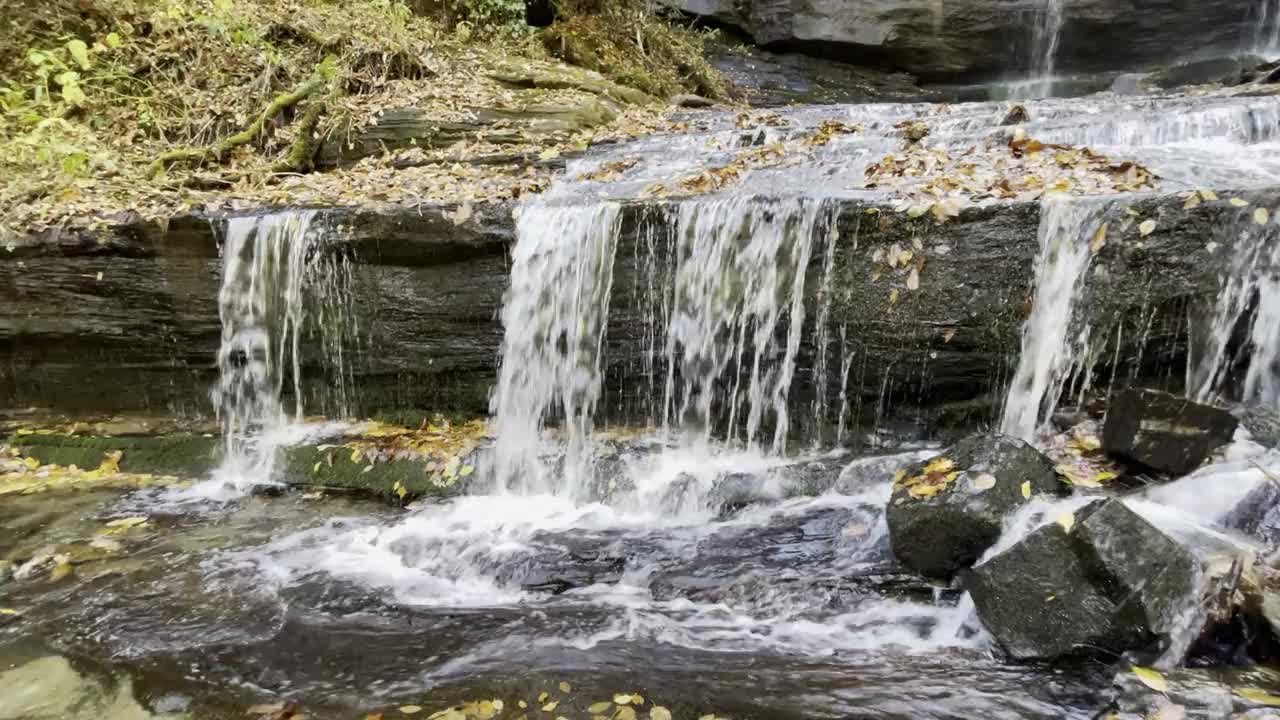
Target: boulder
[(944, 513), (976, 38), (1164, 432), (1107, 582)]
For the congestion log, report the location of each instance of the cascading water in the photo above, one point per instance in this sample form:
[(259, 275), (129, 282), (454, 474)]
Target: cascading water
[(274, 283), (740, 280), (1045, 38), (1249, 292), (1266, 36), (1051, 341), (555, 317)]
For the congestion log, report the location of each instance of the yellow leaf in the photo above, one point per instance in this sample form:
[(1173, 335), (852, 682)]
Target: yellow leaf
[(1147, 227), (80, 53), (597, 708), (1026, 490), (465, 471), (112, 40), (893, 296), (355, 455), (637, 699), (624, 713), (1261, 216), (522, 704), (621, 699), (498, 704), (565, 687), (128, 522), (1067, 520), (939, 465), (542, 697), (1193, 201), (60, 570), (1151, 678), (549, 707), (913, 280), (985, 481), (1239, 202), (1208, 195), (315, 468), (549, 154), (31, 463), (1099, 239), (410, 709), (1104, 476), (657, 712), (8, 611), (1262, 697)]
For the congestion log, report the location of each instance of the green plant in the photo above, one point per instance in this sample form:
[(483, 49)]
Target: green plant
[(489, 17)]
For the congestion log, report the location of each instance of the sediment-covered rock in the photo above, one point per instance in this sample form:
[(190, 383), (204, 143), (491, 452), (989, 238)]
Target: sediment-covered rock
[(1164, 432), (944, 513), (1101, 581)]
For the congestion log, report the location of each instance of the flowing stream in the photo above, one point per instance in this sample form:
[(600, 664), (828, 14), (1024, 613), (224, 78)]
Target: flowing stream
[(704, 558)]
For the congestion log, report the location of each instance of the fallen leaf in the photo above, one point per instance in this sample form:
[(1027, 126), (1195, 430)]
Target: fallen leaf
[(597, 708), (893, 297), (128, 522), (657, 712), (551, 706), (1261, 216), (621, 699), (1193, 201), (946, 336), (8, 611), (565, 687), (264, 709), (1026, 490), (1099, 239), (542, 696), (1147, 227), (624, 713), (1150, 678), (984, 481), (1262, 697), (463, 214), (913, 280), (1239, 202), (1067, 520), (1208, 195), (410, 709)]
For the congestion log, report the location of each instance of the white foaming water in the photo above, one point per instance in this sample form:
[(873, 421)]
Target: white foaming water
[(554, 321), (1250, 291), (1044, 52), (475, 552), (1049, 351)]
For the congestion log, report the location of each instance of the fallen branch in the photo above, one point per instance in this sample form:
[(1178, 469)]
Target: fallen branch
[(219, 151), (302, 151)]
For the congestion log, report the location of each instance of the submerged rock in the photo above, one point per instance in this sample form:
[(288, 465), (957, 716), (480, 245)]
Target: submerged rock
[(1194, 695), (1164, 432), (946, 512), (1103, 581)]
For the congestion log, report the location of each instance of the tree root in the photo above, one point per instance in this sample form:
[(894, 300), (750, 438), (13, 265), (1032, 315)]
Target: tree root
[(219, 151), (302, 152)]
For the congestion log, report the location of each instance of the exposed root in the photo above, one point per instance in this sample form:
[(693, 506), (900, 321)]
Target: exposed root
[(220, 150)]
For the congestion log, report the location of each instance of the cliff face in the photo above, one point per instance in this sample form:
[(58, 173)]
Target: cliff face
[(966, 39)]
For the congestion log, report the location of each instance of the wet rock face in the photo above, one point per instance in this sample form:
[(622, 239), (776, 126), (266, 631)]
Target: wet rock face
[(1164, 432), (946, 512), (973, 38), (1110, 584)]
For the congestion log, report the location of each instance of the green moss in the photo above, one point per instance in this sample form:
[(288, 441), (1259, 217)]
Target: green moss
[(334, 467), (182, 454)]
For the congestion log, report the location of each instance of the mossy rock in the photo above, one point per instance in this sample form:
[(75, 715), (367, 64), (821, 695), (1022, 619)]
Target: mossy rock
[(333, 467), (181, 454)]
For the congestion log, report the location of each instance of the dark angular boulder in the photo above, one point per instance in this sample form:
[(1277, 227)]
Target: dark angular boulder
[(1164, 432), (1106, 583), (944, 513)]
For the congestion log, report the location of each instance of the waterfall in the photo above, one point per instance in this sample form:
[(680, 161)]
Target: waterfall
[(1266, 34), (1045, 38), (1250, 292), (274, 282), (554, 319), (1049, 351), (733, 322), (739, 283)]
